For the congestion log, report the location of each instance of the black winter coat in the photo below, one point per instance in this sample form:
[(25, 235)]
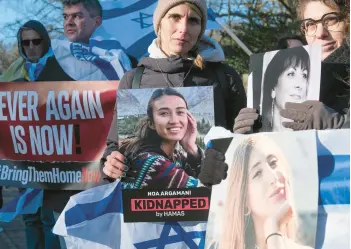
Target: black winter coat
[(229, 92)]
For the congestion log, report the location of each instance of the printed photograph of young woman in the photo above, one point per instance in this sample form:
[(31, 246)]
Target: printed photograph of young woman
[(289, 75), (164, 151), (270, 198)]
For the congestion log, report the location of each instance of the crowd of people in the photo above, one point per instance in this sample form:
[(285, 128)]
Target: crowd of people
[(182, 56)]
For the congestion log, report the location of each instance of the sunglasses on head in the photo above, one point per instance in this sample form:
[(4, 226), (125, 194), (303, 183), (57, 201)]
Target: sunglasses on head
[(34, 41)]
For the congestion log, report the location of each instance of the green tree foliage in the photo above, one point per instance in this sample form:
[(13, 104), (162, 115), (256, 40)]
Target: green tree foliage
[(8, 54), (200, 142), (127, 125), (203, 126)]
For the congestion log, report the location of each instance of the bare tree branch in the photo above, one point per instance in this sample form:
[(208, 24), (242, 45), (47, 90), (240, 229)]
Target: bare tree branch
[(287, 7)]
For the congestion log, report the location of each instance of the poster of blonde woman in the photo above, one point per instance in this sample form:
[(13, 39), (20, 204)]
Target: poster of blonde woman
[(270, 197)]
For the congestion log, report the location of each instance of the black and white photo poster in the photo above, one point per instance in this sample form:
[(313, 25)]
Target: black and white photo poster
[(278, 77)]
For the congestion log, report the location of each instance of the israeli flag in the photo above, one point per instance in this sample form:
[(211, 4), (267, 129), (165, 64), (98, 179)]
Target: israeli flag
[(26, 202), (130, 21), (102, 59), (333, 225), (94, 219)]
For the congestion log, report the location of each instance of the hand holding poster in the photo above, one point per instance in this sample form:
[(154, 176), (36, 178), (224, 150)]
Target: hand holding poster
[(46, 129)]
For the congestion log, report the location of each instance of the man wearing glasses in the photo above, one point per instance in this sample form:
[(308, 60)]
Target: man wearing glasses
[(35, 52), (32, 44)]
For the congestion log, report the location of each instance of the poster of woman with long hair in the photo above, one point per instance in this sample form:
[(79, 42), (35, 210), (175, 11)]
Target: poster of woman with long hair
[(270, 198), (161, 134)]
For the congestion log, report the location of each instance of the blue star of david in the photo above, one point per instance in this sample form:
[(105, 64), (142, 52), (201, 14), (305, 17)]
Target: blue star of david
[(166, 239), (141, 18)]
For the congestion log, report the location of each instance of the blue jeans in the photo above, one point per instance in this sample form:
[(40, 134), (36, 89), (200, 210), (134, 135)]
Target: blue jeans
[(39, 230)]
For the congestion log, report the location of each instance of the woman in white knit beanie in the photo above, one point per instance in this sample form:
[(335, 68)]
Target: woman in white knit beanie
[(181, 56), (174, 37)]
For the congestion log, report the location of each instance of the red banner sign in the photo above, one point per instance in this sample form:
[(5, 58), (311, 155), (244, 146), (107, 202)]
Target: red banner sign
[(53, 134)]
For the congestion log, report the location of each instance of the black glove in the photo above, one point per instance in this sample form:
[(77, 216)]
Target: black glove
[(311, 114), (213, 169), (248, 120)]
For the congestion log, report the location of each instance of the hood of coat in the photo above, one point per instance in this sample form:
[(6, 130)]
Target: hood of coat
[(40, 29), (157, 61)]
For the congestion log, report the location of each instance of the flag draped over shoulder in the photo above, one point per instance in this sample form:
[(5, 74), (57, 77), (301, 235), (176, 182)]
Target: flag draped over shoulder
[(94, 219), (102, 59), (130, 21)]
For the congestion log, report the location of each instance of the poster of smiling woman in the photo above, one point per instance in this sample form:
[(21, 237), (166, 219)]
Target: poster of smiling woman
[(165, 125), (161, 134), (270, 197), (278, 77)]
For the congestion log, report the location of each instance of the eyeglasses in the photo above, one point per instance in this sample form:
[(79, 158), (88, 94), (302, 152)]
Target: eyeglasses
[(329, 21), (35, 42)]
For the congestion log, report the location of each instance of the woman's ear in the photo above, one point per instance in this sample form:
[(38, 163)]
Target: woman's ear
[(158, 38), (273, 94)]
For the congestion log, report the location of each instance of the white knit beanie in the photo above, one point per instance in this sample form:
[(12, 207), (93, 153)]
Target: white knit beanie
[(163, 6)]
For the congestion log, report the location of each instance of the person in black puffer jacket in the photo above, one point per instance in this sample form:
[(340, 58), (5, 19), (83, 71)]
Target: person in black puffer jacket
[(181, 56)]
